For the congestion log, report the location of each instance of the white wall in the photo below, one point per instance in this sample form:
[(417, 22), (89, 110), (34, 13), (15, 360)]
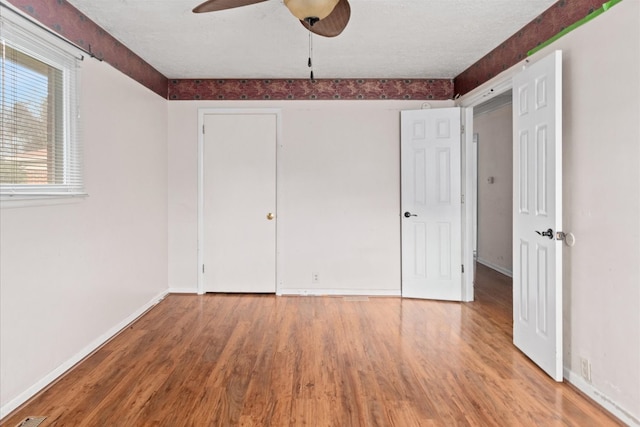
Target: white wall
[(601, 161), (340, 209), (72, 272), (602, 201), (495, 160)]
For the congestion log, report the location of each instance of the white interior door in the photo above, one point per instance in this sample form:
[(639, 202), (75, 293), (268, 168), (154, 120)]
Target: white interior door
[(431, 204), (239, 202), (537, 215)]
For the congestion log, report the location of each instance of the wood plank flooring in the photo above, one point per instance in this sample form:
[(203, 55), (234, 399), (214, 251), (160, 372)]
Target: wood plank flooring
[(227, 360)]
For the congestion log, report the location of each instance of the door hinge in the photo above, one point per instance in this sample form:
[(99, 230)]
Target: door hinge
[(203, 129), (462, 199), (463, 268), (461, 129), (203, 268)]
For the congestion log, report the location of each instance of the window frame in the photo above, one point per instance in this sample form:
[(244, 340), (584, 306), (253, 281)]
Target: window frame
[(28, 38)]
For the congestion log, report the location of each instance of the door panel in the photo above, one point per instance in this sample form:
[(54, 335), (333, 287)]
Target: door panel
[(537, 275), (239, 192), (431, 195)]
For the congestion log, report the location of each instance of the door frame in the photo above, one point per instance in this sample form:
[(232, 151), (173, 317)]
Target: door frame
[(202, 112), (488, 90)]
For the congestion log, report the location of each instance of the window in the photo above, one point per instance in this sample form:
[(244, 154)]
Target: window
[(40, 153)]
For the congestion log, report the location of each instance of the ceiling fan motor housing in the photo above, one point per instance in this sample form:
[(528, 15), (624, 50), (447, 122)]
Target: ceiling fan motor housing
[(305, 9), (327, 18)]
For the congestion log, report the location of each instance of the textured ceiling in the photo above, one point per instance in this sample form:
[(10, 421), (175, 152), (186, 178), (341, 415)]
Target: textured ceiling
[(384, 39)]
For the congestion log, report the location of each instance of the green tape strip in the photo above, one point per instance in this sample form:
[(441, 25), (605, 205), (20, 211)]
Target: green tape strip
[(606, 6)]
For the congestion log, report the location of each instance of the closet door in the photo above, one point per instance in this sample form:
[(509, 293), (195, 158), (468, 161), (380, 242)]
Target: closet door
[(239, 202)]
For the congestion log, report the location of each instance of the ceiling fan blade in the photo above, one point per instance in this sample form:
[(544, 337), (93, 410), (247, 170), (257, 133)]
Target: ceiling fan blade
[(214, 5), (333, 24)]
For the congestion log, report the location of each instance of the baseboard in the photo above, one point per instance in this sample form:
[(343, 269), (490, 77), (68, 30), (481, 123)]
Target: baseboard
[(581, 384), (309, 292), (182, 291), (495, 267), (341, 292), (93, 346)]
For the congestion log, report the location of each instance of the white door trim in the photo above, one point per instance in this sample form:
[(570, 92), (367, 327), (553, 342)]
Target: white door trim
[(279, 186), (494, 87)]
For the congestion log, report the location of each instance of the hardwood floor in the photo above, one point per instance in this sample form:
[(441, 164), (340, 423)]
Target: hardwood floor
[(320, 361)]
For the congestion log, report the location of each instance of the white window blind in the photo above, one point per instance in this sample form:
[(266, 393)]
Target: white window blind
[(40, 151)]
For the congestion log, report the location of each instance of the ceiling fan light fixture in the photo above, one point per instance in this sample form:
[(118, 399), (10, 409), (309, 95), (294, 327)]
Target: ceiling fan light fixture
[(303, 9)]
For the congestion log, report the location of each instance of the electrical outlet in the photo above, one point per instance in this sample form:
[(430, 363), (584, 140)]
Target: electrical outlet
[(315, 278), (585, 369)]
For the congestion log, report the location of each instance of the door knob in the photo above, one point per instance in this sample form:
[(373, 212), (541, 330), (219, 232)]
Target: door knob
[(409, 214), (548, 233), (270, 216)]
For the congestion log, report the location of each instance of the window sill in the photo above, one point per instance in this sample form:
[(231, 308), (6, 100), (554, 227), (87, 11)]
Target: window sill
[(27, 200)]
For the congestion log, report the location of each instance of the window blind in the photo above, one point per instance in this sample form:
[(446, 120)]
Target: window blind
[(40, 150)]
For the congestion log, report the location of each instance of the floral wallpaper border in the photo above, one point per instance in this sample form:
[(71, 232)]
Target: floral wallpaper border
[(297, 89), (69, 22), (514, 49)]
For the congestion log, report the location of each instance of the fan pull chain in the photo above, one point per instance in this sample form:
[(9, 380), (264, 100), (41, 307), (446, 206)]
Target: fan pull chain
[(310, 63)]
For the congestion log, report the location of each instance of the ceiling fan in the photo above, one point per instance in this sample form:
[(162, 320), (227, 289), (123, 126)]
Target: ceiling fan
[(322, 17)]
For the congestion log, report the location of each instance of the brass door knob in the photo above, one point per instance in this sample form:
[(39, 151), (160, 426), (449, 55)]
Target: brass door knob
[(270, 216)]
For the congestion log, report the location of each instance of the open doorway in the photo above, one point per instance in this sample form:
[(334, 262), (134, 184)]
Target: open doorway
[(493, 202), (493, 136)]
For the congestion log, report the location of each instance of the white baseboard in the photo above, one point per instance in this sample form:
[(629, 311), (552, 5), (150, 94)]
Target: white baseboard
[(310, 292), (341, 292), (495, 267), (93, 346), (616, 410), (182, 291)]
